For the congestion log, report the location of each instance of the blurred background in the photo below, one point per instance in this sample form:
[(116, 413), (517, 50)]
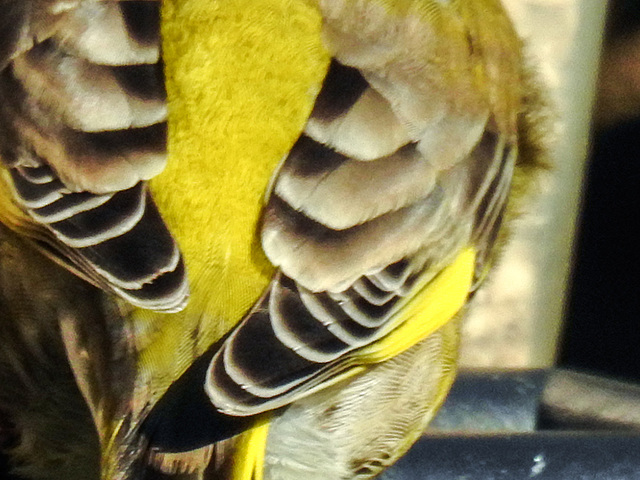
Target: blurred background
[(566, 290), (602, 321)]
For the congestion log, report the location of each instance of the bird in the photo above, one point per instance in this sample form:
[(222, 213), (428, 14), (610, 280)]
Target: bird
[(239, 237)]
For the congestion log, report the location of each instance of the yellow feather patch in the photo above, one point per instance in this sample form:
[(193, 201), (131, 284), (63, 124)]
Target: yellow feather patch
[(433, 307), (10, 214), (427, 310), (242, 77), (249, 458)]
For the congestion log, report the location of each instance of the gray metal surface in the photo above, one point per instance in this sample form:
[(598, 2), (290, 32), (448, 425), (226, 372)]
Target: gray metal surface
[(492, 401), (542, 455), (495, 425)]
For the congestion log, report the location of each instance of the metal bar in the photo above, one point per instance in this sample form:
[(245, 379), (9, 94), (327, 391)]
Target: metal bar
[(492, 401), (579, 401), (542, 455), (529, 400)]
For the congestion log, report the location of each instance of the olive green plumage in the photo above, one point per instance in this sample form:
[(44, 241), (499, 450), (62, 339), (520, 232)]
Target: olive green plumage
[(243, 233)]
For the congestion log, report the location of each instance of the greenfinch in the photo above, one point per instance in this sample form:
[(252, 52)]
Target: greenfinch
[(238, 235)]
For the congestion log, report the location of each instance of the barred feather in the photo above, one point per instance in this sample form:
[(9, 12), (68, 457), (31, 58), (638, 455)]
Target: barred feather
[(82, 127)]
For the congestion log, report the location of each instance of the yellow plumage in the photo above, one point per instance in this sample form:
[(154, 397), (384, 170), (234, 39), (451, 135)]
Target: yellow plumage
[(223, 87), (307, 307)]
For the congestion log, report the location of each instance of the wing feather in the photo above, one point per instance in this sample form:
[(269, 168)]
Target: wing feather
[(82, 127), (392, 178), (113, 33)]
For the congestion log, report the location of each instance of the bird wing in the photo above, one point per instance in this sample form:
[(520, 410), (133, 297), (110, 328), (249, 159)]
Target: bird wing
[(82, 127), (385, 210), (398, 182)]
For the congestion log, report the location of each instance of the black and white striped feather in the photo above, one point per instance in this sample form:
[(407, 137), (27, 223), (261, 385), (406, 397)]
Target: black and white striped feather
[(361, 212), (82, 127), (391, 178)]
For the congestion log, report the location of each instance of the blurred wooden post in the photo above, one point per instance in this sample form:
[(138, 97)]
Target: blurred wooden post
[(518, 317)]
